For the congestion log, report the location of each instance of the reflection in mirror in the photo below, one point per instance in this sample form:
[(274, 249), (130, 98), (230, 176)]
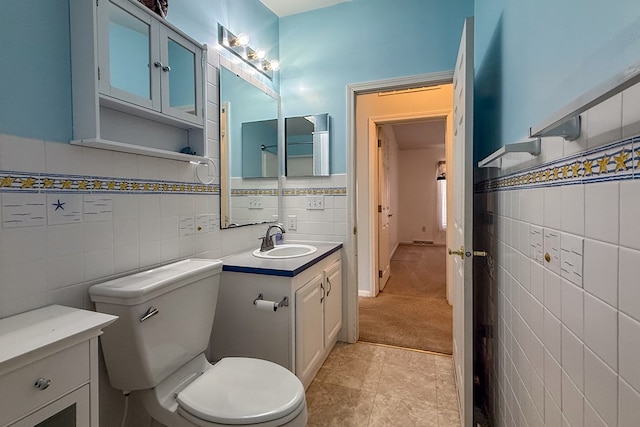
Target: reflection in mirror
[(248, 151), (307, 145), (129, 52)]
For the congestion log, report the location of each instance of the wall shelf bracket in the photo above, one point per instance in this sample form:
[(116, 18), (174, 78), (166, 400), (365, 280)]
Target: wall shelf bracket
[(568, 129), (514, 151)]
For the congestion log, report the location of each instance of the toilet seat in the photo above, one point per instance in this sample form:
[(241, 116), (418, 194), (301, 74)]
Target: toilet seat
[(242, 391)]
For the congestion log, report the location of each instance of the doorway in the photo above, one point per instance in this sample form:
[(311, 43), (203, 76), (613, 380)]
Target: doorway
[(407, 131)]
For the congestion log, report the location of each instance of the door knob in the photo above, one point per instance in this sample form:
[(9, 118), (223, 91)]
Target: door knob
[(459, 252)]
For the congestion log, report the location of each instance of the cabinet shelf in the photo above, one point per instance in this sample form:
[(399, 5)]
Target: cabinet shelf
[(136, 149)]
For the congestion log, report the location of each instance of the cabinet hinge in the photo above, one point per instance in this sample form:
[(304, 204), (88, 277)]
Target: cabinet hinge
[(379, 143), (379, 208), (380, 274)]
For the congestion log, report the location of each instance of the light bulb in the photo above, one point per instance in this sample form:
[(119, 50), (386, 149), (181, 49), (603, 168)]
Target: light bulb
[(274, 64), (243, 39), (261, 54)]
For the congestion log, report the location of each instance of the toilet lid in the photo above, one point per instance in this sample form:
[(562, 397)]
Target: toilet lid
[(239, 390)]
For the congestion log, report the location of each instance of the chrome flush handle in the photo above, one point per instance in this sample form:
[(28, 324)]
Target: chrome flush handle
[(151, 311)]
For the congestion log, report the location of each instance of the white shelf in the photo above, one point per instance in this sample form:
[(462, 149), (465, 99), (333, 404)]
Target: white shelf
[(512, 151), (137, 149), (589, 99)]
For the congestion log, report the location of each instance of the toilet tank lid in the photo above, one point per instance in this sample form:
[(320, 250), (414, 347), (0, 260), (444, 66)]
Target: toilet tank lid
[(140, 287)]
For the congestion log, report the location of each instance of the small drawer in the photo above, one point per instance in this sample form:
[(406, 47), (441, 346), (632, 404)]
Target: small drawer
[(65, 370)]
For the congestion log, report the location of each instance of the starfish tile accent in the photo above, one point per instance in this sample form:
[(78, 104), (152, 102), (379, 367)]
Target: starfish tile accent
[(48, 183), (588, 167), (621, 161), (28, 182), (7, 181), (603, 163), (565, 171), (575, 170)]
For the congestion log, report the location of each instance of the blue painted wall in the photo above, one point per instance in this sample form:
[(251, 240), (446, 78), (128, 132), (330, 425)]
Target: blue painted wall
[(323, 51), (534, 57), (35, 76)]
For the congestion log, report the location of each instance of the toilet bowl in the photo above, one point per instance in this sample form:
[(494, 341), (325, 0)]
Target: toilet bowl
[(156, 351)]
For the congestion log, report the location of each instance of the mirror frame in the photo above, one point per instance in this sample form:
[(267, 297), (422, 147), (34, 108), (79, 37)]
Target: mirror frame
[(259, 187)]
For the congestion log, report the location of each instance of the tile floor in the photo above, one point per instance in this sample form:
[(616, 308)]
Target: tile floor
[(371, 385)]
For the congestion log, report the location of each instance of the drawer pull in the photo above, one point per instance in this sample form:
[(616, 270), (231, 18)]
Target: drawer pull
[(42, 383)]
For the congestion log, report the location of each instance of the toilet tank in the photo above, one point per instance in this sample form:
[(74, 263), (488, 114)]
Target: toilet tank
[(178, 301)]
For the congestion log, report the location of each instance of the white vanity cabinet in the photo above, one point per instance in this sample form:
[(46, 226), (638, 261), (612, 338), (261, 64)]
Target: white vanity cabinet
[(298, 336), (49, 367), (138, 82), (318, 320)]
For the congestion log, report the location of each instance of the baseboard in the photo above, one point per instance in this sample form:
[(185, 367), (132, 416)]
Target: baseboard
[(394, 250), (362, 293)]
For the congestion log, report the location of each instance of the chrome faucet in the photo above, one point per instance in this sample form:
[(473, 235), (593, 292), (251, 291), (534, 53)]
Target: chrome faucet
[(267, 240)]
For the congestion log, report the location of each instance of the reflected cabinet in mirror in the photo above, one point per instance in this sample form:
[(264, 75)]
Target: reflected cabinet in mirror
[(249, 152), (307, 145)]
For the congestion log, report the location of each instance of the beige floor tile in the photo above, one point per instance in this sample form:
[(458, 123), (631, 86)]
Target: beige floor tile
[(351, 372), (410, 359), (405, 383), (334, 405), (448, 418), (391, 412), (358, 350)]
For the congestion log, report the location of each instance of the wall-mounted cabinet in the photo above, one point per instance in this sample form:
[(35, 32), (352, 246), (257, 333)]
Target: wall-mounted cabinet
[(138, 82)]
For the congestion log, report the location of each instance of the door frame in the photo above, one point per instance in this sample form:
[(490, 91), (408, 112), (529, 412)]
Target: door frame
[(358, 243)]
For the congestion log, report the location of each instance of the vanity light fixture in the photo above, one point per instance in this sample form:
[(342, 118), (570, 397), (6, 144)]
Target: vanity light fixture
[(239, 46)]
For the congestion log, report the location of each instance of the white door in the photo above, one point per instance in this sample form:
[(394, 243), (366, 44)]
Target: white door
[(462, 225), (384, 252)]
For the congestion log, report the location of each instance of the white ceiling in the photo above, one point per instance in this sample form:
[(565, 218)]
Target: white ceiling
[(291, 7), (420, 134)]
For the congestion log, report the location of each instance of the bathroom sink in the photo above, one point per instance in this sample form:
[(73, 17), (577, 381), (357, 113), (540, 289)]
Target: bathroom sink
[(288, 250)]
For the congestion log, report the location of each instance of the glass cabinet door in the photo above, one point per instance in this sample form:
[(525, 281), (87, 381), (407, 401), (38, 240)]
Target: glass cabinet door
[(127, 52), (180, 93)]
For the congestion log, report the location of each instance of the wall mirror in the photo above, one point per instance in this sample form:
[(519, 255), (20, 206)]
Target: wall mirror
[(248, 152), (307, 145)]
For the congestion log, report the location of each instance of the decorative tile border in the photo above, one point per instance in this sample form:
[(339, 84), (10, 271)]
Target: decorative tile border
[(254, 192), (613, 162), (334, 191), (53, 183)]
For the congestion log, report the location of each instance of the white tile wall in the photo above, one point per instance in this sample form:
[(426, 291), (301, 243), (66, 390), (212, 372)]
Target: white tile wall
[(57, 263), (581, 338)]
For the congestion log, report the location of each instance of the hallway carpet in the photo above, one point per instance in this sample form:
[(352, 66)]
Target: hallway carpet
[(412, 310)]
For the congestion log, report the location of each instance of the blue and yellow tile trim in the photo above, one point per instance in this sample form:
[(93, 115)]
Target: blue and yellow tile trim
[(613, 162), (334, 191), (52, 183)]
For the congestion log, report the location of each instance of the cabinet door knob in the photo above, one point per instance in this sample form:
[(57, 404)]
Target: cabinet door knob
[(158, 64), (42, 383), (166, 68)]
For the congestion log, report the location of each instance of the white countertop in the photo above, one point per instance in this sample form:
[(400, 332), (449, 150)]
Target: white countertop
[(245, 262), (28, 332)]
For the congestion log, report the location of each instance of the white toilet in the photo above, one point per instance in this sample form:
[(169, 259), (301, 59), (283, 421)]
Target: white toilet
[(156, 350)]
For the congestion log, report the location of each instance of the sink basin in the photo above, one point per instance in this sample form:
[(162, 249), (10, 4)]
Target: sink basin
[(288, 250)]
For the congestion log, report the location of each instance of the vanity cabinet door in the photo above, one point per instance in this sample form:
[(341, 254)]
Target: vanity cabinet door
[(309, 327), (333, 302)]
